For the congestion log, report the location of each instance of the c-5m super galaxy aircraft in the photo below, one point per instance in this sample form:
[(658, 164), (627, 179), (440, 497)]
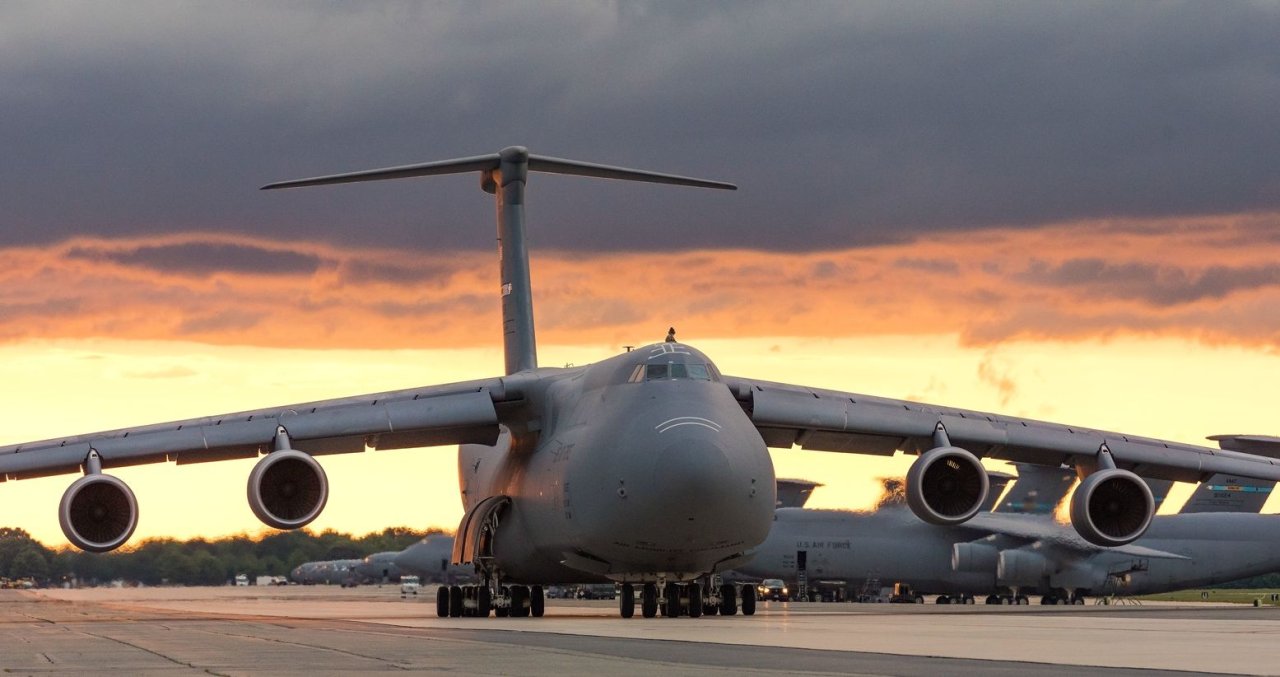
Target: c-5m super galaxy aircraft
[(650, 467), (1216, 537)]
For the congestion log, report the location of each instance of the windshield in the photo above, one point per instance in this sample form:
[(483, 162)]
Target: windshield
[(671, 371)]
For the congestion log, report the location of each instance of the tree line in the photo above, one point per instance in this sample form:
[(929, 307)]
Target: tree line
[(166, 561)]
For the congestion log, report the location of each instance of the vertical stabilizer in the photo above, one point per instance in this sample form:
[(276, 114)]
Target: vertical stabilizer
[(1038, 490), (505, 174), (1226, 493)]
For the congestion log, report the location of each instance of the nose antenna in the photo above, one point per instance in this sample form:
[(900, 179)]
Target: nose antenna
[(504, 174)]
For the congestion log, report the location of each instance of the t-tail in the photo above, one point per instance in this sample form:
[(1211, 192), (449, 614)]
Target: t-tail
[(504, 174)]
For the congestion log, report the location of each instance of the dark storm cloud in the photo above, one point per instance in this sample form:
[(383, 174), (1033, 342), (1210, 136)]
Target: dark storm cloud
[(1155, 284), (844, 123), (202, 258)]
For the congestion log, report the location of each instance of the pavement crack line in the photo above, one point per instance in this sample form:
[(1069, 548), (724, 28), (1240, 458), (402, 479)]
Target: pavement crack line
[(303, 645), (140, 648)]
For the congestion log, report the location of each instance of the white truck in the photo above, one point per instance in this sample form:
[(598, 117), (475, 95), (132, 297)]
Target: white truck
[(409, 585)]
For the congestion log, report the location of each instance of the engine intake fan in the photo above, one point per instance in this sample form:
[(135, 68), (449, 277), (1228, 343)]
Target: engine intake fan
[(98, 513), (287, 489), (946, 486), (1111, 508)]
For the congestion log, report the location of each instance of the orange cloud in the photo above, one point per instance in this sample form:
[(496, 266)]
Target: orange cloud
[(1213, 278)]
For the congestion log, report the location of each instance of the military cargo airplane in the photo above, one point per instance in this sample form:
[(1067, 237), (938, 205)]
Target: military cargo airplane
[(649, 468), (1216, 537)]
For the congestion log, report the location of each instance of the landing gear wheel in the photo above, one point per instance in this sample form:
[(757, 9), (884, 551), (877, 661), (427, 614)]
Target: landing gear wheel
[(503, 611), (728, 599), (967, 599), (1047, 600), (994, 599), (649, 600), (442, 601), (671, 592), (1021, 600), (519, 601), (455, 601), (748, 600), (484, 601), (942, 599), (627, 601), (695, 600), (537, 601)]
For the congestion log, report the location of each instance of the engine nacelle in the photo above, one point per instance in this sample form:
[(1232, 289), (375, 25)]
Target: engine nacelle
[(1021, 568), (973, 558), (287, 489), (1112, 507), (946, 486), (98, 513)]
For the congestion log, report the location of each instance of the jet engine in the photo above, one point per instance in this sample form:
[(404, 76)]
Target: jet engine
[(287, 489), (973, 558), (1112, 507), (98, 513), (946, 486), (1021, 568)]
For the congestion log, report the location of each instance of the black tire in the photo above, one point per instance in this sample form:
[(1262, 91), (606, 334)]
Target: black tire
[(649, 600), (537, 601), (672, 607), (455, 601), (442, 601), (484, 601), (748, 600), (695, 600), (728, 600), (519, 601), (627, 600), (993, 599), (942, 599)]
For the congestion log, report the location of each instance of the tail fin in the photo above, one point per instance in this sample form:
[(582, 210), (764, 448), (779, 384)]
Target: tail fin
[(997, 481), (504, 174), (794, 493), (1038, 489), (1225, 493)]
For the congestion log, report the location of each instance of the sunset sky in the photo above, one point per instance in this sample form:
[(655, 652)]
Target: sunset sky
[(1064, 211)]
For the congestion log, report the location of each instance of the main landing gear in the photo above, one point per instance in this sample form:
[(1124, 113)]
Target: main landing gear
[(515, 601), (693, 599)]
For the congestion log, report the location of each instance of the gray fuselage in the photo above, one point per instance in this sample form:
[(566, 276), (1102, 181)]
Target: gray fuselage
[(637, 467), (892, 545)]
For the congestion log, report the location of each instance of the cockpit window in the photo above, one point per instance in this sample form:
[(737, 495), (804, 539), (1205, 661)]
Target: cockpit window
[(675, 370)]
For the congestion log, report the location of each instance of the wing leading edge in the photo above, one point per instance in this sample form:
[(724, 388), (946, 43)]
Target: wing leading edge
[(828, 420), (438, 415)]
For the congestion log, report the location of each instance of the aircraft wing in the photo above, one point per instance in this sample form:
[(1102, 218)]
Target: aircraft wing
[(829, 420), (435, 415), (1040, 529)]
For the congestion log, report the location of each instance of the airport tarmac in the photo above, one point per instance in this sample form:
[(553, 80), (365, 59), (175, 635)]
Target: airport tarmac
[(326, 630)]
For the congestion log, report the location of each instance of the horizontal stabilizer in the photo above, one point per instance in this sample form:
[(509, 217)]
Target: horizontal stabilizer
[(488, 163), (1262, 445)]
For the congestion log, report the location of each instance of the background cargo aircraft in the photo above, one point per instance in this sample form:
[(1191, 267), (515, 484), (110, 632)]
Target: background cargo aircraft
[(429, 559), (1216, 537), (647, 468)]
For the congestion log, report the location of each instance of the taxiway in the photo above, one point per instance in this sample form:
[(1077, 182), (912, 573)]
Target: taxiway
[(325, 630)]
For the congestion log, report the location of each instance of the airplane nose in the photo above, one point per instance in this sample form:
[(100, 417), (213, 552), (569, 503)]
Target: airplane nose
[(687, 470)]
